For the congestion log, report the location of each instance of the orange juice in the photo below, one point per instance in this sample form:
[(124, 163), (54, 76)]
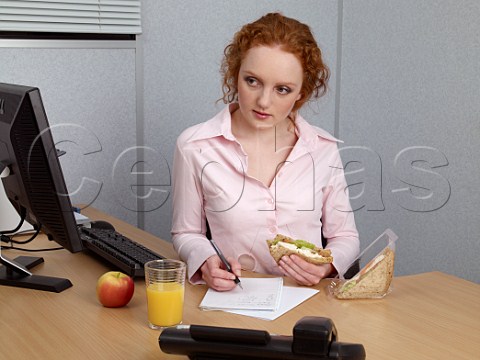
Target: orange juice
[(165, 303)]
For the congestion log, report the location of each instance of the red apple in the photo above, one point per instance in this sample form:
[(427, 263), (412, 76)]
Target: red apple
[(115, 289)]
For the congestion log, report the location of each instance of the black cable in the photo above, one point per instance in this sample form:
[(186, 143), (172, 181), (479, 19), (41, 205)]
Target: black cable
[(25, 241), (30, 250), (9, 239), (23, 215), (23, 232), (4, 238)]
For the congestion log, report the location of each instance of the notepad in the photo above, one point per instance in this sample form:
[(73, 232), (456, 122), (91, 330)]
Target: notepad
[(260, 294), (291, 298)]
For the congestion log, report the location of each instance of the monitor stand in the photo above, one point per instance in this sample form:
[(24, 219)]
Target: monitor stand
[(15, 273)]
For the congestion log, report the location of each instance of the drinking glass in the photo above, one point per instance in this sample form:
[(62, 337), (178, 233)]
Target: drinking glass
[(165, 283)]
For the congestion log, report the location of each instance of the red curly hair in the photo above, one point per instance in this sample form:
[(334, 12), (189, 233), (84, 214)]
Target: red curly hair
[(292, 36)]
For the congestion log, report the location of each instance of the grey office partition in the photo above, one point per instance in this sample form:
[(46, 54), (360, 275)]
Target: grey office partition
[(403, 96), (90, 99)]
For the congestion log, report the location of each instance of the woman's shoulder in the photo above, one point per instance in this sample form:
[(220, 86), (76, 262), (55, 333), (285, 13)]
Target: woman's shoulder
[(324, 134), (204, 130), (187, 134), (313, 132)]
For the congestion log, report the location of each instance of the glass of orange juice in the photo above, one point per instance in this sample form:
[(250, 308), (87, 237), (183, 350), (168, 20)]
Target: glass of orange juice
[(165, 283)]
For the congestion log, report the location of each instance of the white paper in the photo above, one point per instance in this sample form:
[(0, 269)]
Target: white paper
[(291, 297), (260, 294), (80, 218)]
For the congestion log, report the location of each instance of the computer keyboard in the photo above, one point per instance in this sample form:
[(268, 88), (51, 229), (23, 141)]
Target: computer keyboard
[(127, 255)]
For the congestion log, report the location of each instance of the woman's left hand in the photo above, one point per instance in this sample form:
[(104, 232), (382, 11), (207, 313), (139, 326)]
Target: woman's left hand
[(303, 272)]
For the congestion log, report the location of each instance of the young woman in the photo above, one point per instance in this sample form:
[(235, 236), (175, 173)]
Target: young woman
[(258, 169)]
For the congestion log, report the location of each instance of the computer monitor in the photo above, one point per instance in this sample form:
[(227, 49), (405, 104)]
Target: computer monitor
[(34, 183)]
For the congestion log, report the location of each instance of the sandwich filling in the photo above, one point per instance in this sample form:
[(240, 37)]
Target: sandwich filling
[(302, 250), (283, 245)]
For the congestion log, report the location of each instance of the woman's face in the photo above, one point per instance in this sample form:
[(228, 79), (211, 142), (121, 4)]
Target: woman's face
[(269, 84)]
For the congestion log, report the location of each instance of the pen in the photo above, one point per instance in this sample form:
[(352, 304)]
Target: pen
[(225, 262)]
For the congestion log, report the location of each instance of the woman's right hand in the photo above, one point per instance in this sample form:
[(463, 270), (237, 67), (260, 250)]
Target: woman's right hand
[(216, 276)]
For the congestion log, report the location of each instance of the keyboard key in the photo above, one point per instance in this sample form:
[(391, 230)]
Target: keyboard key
[(127, 255)]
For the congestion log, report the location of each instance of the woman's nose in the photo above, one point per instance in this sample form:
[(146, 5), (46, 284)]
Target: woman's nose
[(265, 99)]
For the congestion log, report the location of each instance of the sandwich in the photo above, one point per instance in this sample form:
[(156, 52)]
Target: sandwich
[(373, 281), (283, 245)]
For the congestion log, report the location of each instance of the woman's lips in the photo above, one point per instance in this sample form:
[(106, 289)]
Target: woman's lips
[(261, 115)]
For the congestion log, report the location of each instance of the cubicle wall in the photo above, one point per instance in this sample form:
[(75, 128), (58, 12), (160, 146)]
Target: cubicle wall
[(410, 95), (403, 97), (89, 94)]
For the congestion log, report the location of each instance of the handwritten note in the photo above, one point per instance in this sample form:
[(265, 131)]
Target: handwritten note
[(258, 294), (291, 297)]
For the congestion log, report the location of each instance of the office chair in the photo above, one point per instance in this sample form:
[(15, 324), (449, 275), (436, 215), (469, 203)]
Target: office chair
[(352, 270)]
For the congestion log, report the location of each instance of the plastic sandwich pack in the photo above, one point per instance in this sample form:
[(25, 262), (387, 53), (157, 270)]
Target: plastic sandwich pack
[(373, 281)]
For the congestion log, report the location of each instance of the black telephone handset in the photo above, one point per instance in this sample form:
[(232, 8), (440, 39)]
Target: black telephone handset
[(313, 338)]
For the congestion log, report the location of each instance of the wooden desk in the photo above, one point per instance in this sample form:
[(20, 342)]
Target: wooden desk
[(427, 316)]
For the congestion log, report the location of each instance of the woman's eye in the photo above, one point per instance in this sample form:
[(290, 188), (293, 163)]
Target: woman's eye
[(283, 90), (251, 81)]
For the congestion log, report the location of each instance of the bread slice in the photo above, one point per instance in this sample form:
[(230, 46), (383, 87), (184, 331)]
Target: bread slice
[(373, 281), (283, 245)]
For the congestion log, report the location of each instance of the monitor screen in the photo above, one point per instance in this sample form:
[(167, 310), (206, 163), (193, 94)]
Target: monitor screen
[(34, 183)]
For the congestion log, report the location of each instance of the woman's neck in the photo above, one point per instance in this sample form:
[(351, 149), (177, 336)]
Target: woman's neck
[(266, 149), (266, 135)]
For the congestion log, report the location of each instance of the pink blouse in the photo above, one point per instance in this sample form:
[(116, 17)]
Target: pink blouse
[(309, 194)]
